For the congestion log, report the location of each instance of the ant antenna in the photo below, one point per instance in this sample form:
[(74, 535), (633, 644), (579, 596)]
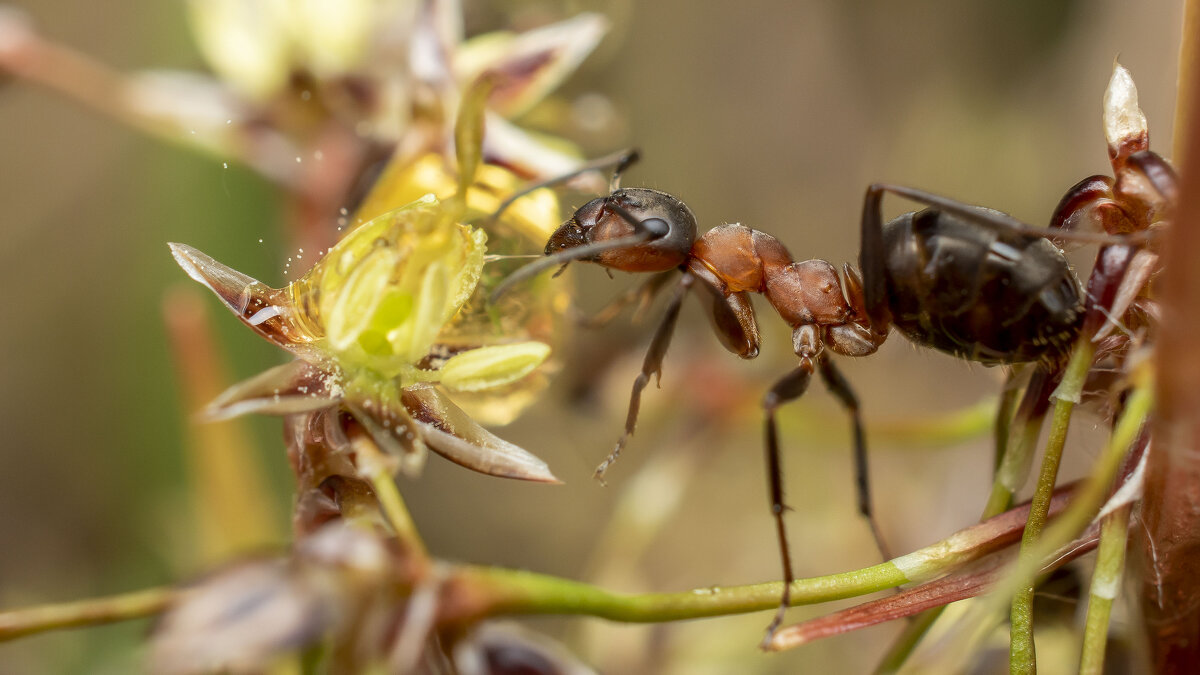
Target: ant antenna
[(576, 253), (628, 159), (644, 230), (618, 160), (497, 257)]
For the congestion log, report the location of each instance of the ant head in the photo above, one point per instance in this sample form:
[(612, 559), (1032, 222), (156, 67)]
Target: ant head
[(624, 214)]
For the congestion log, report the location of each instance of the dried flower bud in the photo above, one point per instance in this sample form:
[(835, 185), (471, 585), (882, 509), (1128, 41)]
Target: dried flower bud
[(1124, 124)]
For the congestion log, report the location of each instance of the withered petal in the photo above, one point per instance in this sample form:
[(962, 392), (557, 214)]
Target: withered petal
[(436, 35), (970, 581), (293, 387), (268, 311), (239, 620), (527, 154), (451, 433), (951, 588), (531, 64), (509, 648), (391, 430)]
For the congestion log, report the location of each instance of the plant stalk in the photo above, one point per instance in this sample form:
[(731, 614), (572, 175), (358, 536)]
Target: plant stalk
[(92, 612), (1021, 655), (1106, 583)]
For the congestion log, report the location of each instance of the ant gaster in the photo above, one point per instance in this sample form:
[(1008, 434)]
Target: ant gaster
[(967, 280)]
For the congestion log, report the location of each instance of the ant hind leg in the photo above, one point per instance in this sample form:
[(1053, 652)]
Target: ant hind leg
[(788, 388), (840, 388), (989, 218)]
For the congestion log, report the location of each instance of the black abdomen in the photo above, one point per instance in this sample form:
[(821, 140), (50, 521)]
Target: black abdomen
[(988, 296)]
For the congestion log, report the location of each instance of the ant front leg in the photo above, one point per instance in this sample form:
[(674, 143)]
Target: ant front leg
[(1091, 200), (618, 161), (652, 365), (1120, 273), (641, 296)]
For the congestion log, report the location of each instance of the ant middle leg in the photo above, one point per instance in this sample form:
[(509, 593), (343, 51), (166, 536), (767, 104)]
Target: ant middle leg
[(840, 388), (788, 388), (652, 365)]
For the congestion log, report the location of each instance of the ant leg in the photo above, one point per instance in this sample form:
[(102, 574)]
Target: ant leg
[(642, 295), (871, 259), (1114, 282), (839, 387), (732, 314), (652, 365), (1158, 172), (989, 218), (789, 388), (620, 161), (625, 159), (1091, 200)]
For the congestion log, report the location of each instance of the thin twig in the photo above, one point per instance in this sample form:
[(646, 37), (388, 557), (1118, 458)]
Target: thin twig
[(92, 612)]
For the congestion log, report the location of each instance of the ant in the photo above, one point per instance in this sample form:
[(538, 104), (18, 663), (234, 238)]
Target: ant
[(967, 280)]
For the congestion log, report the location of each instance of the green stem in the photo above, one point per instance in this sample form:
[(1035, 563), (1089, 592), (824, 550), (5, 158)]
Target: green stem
[(1106, 582), (999, 501), (1014, 467), (473, 592), (1003, 420), (372, 464), (1092, 491), (1021, 655), (1086, 501), (92, 612), (908, 640), (393, 507), (927, 431), (493, 591), (490, 591), (483, 592)]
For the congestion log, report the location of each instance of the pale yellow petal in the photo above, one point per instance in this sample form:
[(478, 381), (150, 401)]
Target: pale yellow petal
[(494, 366)]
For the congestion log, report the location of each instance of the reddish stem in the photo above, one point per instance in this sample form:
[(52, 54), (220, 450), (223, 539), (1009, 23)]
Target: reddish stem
[(1169, 545)]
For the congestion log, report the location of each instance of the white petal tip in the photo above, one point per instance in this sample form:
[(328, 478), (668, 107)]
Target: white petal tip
[(1125, 126)]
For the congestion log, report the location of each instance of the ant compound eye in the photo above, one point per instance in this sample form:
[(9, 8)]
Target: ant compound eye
[(656, 226)]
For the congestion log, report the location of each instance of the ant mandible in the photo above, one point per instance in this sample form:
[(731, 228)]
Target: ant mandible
[(967, 280)]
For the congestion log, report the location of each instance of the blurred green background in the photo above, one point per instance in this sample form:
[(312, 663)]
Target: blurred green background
[(775, 115)]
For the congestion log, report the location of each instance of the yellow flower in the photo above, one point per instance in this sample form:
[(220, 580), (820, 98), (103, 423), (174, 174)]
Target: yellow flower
[(256, 45), (365, 323)]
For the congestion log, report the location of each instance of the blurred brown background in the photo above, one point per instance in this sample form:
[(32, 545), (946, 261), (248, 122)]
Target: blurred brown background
[(775, 115)]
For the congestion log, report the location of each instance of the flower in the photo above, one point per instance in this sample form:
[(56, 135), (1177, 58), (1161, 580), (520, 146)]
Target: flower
[(364, 324), (295, 77)]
